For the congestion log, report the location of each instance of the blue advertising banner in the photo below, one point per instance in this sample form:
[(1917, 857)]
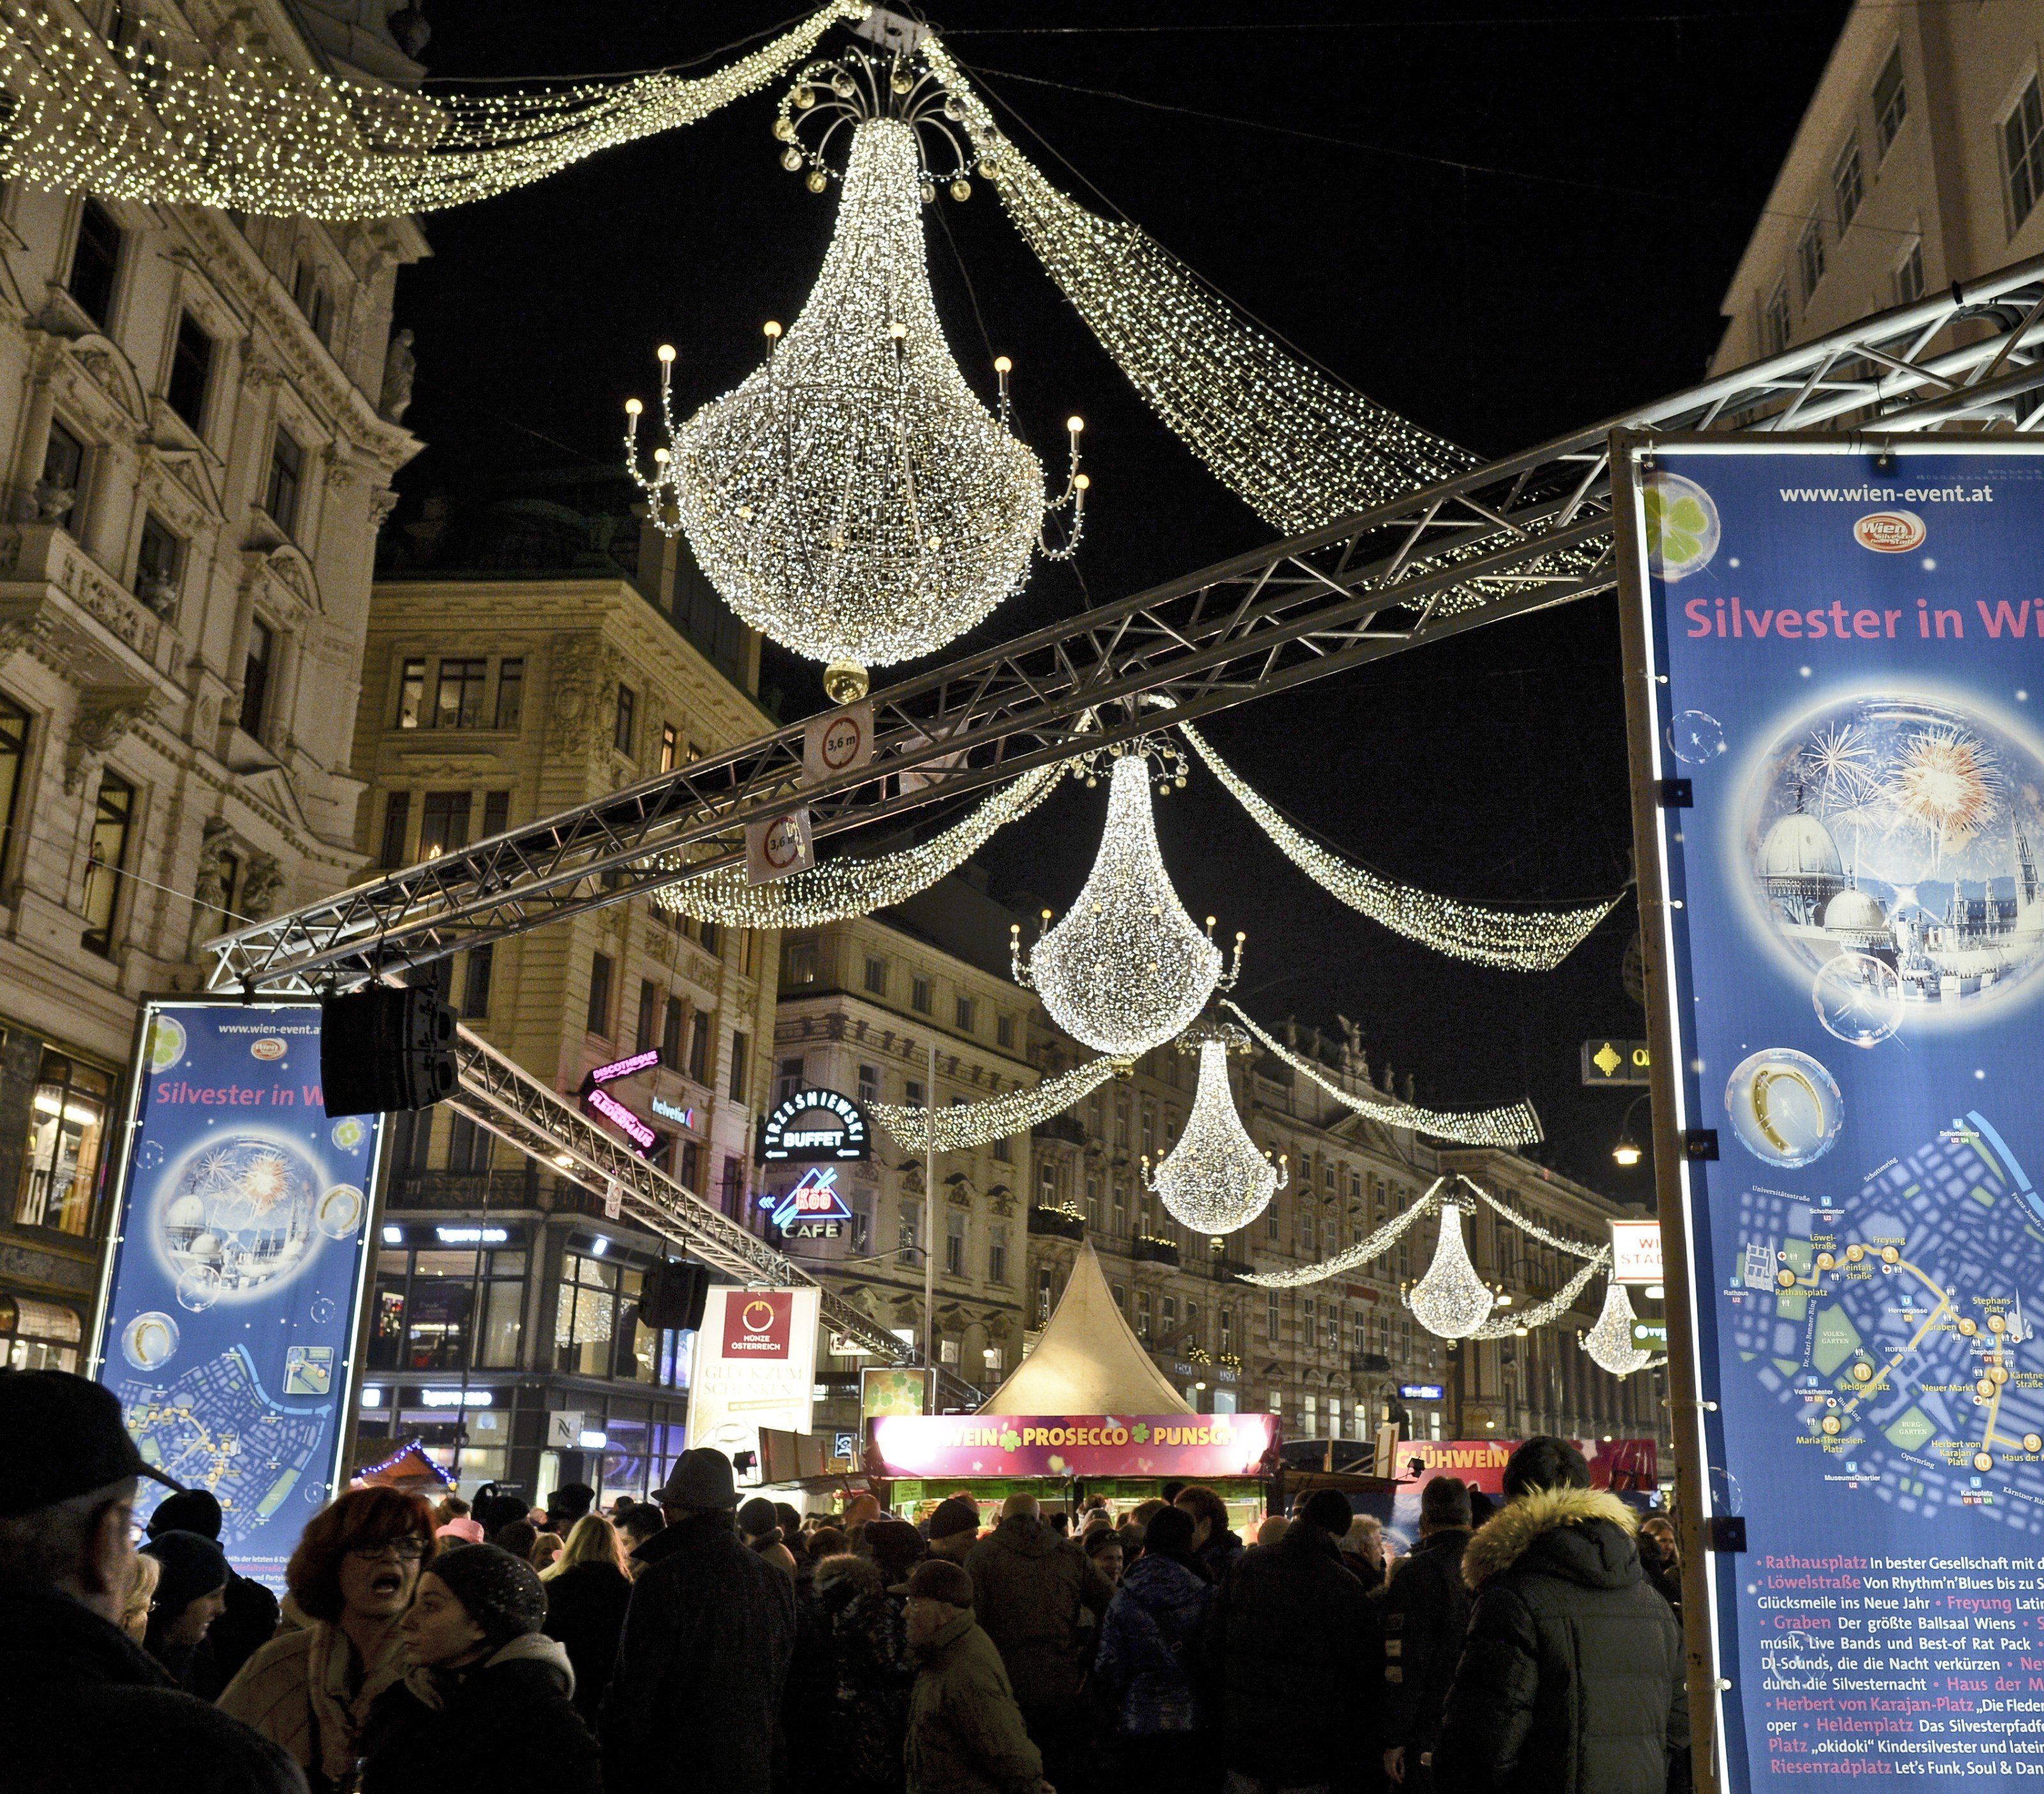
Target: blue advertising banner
[(1845, 662), (240, 1247)]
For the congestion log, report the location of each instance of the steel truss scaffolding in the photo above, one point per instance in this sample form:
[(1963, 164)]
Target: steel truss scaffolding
[(1518, 535)]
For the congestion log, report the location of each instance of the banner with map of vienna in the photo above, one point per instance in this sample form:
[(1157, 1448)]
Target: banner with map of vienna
[(1840, 663), (240, 1226)]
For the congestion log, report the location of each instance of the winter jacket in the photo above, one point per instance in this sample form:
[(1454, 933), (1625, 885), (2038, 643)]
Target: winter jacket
[(872, 1674), (1422, 1614), (1028, 1586), (1149, 1664), (1571, 1679), (1287, 1630), (247, 1623), (307, 1690), (83, 1707), (586, 1611), (508, 1723), (703, 1660), (965, 1733), (1221, 1554)]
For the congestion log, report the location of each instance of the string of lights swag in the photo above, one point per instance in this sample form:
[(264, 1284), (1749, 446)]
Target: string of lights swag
[(999, 1118), (172, 119), (1513, 1124), (1525, 940)]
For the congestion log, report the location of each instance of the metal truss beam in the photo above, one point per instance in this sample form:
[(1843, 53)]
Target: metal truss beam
[(1518, 535)]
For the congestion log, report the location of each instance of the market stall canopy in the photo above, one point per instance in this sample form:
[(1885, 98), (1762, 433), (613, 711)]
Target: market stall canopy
[(1089, 1360)]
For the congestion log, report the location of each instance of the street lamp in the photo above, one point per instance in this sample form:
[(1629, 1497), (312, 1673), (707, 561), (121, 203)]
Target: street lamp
[(1628, 1151)]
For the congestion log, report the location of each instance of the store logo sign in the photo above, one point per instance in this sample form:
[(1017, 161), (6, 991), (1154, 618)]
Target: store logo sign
[(813, 1125), (757, 1324), (1890, 532)]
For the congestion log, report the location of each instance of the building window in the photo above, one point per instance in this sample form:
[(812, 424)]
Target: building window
[(1271, 1319), (1043, 1281), (67, 1128), (158, 562), (1004, 1031), (788, 1080), (1120, 1210), (912, 1092), (1143, 1316), (1774, 321), (496, 813), (1909, 275), (1810, 256), (919, 995), (997, 1255), (598, 1019), (443, 823), (670, 747), (1847, 188), (510, 691), (2023, 148), (649, 1016), (801, 962), (63, 474), (287, 469), (113, 818), (458, 699), (908, 1228), (411, 693), (1891, 99), (476, 991), (962, 1009), (94, 262), (876, 977), (397, 816), (691, 1165), (741, 1050), (1167, 1312), (191, 371), (869, 1084), (1004, 1152), (1091, 1202), (620, 734), (955, 1244), (1228, 1329), (699, 1047), (671, 1034), (38, 1335), (14, 753), (255, 678), (1121, 1294)]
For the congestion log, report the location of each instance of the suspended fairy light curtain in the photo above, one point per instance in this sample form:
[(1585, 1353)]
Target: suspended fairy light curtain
[(1450, 1301), (1215, 1179), (228, 121), (998, 1118), (1126, 969), (1610, 1343)]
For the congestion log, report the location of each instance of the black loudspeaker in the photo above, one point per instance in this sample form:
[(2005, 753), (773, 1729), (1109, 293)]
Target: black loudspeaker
[(673, 1295), (386, 1047)]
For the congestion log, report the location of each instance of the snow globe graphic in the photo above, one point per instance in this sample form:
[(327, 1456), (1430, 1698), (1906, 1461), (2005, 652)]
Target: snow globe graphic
[(1682, 526), (1891, 850), (1785, 1107), (238, 1218)]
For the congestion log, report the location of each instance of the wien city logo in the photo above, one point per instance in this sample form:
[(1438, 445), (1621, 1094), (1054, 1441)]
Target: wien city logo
[(1890, 532)]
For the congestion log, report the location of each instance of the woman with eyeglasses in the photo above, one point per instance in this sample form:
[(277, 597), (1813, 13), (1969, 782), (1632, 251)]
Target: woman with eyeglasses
[(353, 1575)]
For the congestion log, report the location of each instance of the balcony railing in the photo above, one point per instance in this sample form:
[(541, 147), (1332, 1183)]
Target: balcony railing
[(465, 1189), (1066, 1127), (1059, 1223), (1157, 1251)]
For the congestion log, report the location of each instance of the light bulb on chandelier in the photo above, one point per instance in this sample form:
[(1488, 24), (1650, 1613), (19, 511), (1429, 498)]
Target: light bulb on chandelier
[(1126, 968), (1610, 1342), (1451, 1301), (852, 498), (1214, 1179)]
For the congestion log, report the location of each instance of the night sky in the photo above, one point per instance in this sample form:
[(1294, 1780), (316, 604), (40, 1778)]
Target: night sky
[(1504, 220)]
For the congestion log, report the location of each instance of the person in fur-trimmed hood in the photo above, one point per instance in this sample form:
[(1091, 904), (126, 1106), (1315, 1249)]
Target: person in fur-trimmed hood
[(1571, 1680)]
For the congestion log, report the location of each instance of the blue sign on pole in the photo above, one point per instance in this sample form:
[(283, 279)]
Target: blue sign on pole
[(1840, 661), (240, 1230)]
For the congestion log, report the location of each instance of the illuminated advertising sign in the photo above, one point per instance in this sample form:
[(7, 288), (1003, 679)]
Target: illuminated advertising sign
[(755, 1366), (673, 1112), (813, 1209), (1833, 660), (1422, 1391), (1081, 1445), (601, 1102), (227, 1315), (814, 1126), (624, 1067)]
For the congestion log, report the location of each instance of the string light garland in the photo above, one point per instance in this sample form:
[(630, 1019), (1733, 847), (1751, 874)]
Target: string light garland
[(1609, 1343), (1533, 1229), (999, 1117), (1531, 940), (1524, 1320), (1214, 1179), (169, 118), (1359, 1254), (852, 499), (1126, 969), (1451, 1301), (840, 889), (1514, 1124)]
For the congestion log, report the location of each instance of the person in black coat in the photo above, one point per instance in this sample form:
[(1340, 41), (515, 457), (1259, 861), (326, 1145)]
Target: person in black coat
[(249, 1617), (82, 1705), (485, 1704), (191, 1591), (1286, 1629), (1422, 1615), (695, 1699), (1570, 1681), (587, 1592)]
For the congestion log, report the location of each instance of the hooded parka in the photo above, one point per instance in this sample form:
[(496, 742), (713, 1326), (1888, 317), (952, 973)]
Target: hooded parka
[(965, 1733), (1028, 1587), (1570, 1681)]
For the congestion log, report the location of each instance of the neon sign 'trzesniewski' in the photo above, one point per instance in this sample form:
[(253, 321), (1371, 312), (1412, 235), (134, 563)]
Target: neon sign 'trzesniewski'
[(833, 1127)]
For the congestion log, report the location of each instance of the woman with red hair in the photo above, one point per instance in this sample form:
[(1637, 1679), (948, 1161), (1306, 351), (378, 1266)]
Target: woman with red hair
[(350, 1579)]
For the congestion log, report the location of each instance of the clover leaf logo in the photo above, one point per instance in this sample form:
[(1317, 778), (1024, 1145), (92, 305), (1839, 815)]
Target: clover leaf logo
[(1010, 1439), (1140, 1433), (1681, 526)]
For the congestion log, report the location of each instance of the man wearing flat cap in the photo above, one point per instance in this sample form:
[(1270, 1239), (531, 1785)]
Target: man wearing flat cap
[(694, 1703)]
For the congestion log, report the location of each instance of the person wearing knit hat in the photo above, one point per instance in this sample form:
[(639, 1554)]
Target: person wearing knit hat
[(487, 1701), (248, 1620), (895, 1547), (954, 1528), (191, 1591), (760, 1527), (965, 1729)]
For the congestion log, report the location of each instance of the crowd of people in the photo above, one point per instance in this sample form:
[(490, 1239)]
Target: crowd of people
[(697, 1644)]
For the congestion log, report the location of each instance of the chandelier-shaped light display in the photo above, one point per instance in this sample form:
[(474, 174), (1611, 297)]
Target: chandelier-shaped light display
[(1609, 1343), (1451, 1300), (1126, 969), (853, 498), (1214, 1179)]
